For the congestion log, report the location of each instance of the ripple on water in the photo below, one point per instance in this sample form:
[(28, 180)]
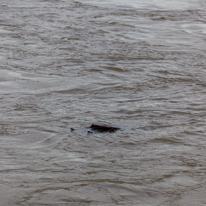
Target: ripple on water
[(136, 65)]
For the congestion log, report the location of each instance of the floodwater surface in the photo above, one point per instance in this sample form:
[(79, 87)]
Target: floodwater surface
[(137, 65)]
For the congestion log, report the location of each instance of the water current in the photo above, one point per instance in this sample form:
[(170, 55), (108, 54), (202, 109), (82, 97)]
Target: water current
[(138, 65)]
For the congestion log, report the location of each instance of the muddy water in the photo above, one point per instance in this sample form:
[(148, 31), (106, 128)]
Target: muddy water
[(138, 65)]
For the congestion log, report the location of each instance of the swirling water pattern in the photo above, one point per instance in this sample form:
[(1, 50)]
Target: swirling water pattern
[(137, 65)]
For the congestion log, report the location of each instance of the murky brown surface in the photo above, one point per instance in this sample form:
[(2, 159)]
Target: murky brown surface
[(138, 65)]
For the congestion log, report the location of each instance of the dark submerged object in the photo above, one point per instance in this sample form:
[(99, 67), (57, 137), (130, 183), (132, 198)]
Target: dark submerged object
[(102, 128), (98, 128)]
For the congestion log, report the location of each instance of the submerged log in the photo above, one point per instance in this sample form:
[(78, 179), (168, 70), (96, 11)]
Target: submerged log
[(102, 128)]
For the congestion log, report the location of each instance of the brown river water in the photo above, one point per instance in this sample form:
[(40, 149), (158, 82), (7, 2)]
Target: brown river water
[(138, 65)]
